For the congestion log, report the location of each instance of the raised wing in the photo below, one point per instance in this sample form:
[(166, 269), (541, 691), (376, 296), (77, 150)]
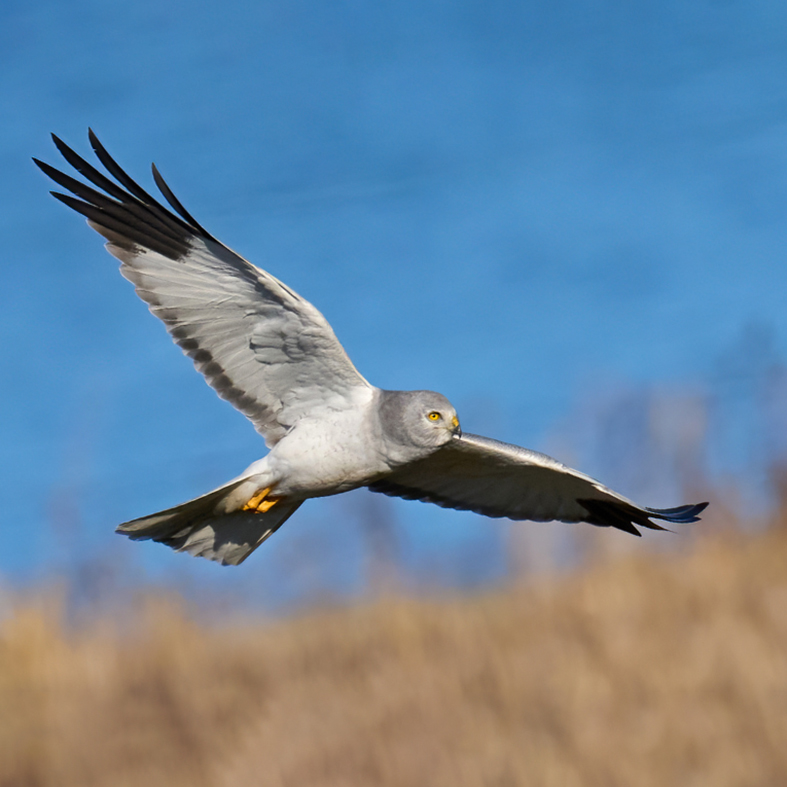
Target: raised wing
[(496, 479), (260, 345)]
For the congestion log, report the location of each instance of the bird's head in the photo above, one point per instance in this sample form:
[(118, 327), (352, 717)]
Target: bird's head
[(418, 419)]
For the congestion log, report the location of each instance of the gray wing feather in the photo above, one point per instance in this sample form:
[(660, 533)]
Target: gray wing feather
[(261, 346), (497, 479)]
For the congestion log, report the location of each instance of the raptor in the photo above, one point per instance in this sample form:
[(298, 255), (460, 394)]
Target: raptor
[(275, 358)]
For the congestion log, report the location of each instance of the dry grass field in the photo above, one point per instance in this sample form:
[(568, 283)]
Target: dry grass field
[(640, 670)]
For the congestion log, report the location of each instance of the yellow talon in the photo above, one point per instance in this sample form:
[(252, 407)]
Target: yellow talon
[(257, 501), (266, 505)]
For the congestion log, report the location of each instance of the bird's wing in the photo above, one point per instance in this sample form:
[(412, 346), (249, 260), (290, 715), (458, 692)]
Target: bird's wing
[(496, 479), (261, 346)]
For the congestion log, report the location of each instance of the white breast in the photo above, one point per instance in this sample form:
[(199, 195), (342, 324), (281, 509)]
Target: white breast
[(327, 454)]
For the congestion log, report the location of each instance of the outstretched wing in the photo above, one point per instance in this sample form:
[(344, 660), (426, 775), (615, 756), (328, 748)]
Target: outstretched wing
[(496, 479), (260, 345)]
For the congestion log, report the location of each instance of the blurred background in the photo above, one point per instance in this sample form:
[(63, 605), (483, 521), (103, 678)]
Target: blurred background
[(570, 219)]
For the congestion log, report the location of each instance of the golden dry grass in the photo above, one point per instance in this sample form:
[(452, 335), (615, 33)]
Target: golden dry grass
[(647, 670)]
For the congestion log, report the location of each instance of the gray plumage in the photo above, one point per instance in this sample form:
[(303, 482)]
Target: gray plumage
[(275, 358)]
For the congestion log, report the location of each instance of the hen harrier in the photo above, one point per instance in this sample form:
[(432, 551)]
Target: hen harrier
[(274, 357)]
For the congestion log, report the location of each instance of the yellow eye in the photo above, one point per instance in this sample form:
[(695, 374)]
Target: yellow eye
[(434, 416)]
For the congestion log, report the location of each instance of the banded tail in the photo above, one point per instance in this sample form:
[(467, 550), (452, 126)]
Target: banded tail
[(215, 526)]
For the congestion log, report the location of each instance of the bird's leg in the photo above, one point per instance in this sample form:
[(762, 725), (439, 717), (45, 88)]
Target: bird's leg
[(259, 504)]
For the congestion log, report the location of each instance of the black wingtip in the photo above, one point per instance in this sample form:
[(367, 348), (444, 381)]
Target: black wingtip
[(175, 202), (93, 139), (60, 145), (623, 516), (124, 207), (681, 515)]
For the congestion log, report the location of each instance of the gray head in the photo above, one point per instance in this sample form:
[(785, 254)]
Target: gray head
[(417, 419)]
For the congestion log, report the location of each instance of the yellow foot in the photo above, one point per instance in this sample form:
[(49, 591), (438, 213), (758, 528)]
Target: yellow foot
[(259, 503)]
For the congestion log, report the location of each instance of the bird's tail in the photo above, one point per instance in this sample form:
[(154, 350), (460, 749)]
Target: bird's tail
[(218, 526)]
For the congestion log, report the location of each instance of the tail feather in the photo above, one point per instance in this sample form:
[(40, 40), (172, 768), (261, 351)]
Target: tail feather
[(209, 527)]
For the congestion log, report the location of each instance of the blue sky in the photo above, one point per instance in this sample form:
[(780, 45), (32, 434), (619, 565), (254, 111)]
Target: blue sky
[(513, 203)]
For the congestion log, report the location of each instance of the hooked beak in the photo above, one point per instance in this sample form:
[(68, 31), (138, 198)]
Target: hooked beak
[(457, 429)]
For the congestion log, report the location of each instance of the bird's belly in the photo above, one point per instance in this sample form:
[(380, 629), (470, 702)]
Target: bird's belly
[(312, 462)]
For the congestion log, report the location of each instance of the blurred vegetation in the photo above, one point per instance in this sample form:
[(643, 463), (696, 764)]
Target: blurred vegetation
[(599, 660), (638, 669)]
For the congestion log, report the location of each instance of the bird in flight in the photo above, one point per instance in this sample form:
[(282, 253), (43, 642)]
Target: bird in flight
[(275, 358)]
